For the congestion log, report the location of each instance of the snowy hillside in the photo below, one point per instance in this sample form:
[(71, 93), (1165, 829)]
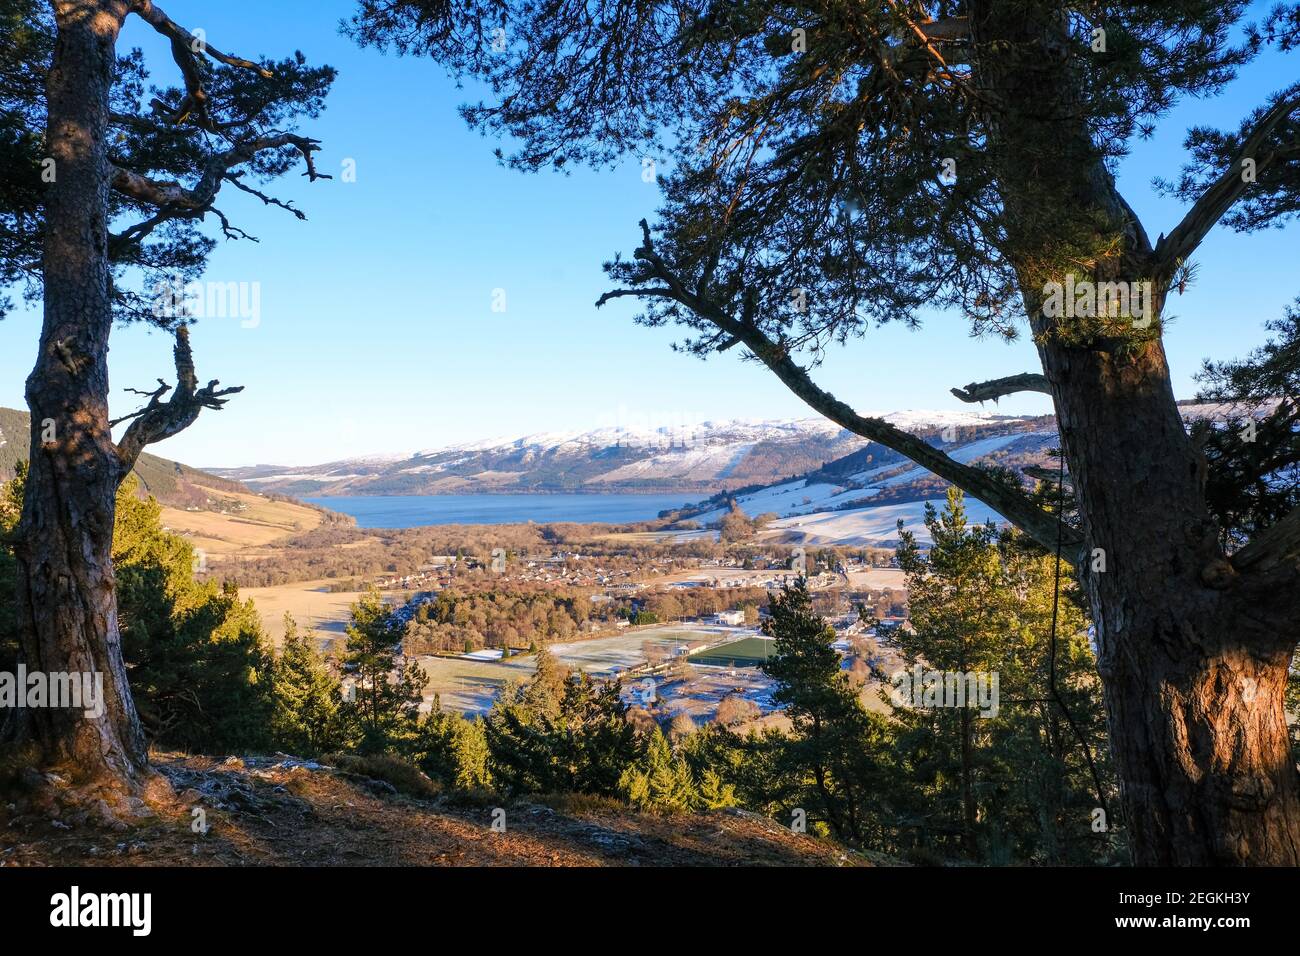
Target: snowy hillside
[(696, 459), (805, 496)]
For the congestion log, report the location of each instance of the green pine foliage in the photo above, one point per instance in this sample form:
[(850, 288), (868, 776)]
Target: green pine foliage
[(1015, 782), (200, 668), (384, 711), (1253, 473), (306, 717), (561, 733), (453, 750), (835, 763), (712, 792), (660, 780)]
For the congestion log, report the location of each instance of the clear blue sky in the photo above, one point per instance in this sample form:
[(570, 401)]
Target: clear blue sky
[(377, 333)]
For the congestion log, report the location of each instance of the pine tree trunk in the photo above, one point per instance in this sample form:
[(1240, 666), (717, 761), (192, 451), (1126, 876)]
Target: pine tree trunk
[(1194, 666), (1193, 656), (66, 602)]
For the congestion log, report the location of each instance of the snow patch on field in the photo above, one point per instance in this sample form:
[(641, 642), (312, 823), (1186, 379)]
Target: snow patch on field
[(877, 525), (965, 454), (802, 497)]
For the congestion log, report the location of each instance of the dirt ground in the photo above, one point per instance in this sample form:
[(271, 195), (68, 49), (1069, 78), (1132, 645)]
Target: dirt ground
[(287, 812)]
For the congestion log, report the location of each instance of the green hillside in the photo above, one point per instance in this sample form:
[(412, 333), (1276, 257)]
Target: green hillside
[(170, 482)]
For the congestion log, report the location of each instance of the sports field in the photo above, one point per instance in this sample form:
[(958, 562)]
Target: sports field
[(746, 652)]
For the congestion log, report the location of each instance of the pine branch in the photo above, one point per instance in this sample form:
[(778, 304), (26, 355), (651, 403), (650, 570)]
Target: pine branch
[(1220, 196), (176, 201), (1015, 507), (158, 420), (185, 51), (996, 388)]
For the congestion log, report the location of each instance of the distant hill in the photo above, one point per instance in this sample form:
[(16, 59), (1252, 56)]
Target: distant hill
[(170, 482), (860, 498), (694, 460)]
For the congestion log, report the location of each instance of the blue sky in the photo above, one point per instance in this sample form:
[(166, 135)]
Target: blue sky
[(377, 332)]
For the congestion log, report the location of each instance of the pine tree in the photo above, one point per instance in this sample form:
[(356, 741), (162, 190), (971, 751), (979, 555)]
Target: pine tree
[(660, 781), (113, 176), (453, 750), (712, 792), (306, 718), (1013, 780), (385, 712), (835, 759), (580, 742)]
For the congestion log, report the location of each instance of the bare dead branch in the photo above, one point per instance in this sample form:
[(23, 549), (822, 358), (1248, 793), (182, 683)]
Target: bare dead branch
[(158, 420), (229, 231), (236, 180), (996, 388)]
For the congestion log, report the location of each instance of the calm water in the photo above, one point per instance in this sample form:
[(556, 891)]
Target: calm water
[(409, 511)]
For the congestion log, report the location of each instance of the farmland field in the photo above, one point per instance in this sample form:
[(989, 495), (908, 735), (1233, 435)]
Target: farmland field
[(262, 522), (469, 685), (318, 611)]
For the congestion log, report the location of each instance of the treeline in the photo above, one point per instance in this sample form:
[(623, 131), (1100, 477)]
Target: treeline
[(532, 615), (337, 552), (459, 620), (340, 552), (678, 603)]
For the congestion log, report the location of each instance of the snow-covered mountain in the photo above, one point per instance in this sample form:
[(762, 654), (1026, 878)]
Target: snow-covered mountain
[(860, 499), (849, 488), (689, 458)]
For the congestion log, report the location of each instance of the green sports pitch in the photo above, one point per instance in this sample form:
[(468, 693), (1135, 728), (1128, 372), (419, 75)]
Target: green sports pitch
[(746, 652)]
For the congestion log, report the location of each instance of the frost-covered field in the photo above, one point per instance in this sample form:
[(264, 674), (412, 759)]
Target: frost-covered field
[(470, 685), (874, 525)]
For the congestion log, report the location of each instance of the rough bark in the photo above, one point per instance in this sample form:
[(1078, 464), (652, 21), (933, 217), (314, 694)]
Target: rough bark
[(1193, 654), (969, 814), (66, 604), (1193, 674), (1193, 644)]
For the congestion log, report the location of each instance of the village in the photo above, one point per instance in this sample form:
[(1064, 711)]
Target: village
[(690, 669)]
